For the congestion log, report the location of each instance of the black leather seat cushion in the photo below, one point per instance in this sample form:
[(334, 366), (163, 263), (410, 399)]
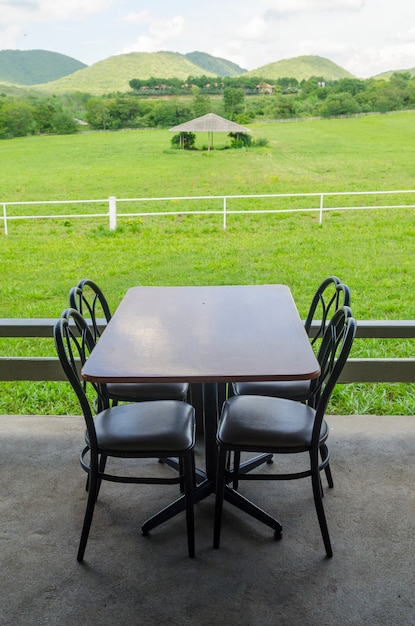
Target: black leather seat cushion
[(296, 389), (264, 424), (163, 426)]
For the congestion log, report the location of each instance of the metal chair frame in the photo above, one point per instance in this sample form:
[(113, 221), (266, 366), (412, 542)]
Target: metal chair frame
[(334, 350), (74, 342)]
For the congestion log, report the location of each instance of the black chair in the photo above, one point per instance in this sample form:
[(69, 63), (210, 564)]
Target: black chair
[(89, 300), (156, 429), (270, 425), (330, 295)]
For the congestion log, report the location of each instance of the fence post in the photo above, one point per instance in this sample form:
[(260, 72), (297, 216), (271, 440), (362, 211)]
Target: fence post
[(5, 219), (224, 212), (113, 212), (321, 208)]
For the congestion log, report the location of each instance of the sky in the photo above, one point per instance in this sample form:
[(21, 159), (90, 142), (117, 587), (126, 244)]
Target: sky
[(365, 37)]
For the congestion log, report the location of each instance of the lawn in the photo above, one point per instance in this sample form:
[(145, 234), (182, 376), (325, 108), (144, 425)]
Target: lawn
[(373, 251)]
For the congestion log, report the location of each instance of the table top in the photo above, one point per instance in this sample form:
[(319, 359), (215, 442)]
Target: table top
[(203, 334)]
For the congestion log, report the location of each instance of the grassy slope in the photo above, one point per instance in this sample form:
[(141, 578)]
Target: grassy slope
[(30, 67), (114, 73), (214, 65), (372, 251), (302, 67)]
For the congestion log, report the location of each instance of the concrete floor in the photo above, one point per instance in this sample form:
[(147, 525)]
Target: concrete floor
[(250, 580)]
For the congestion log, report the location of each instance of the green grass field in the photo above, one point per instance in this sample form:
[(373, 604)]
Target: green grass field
[(373, 251)]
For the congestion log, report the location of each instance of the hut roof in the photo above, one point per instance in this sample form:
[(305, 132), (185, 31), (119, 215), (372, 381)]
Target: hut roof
[(210, 123)]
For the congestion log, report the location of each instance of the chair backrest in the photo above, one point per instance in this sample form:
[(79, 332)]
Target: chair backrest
[(88, 299), (332, 356), (74, 343), (330, 295)]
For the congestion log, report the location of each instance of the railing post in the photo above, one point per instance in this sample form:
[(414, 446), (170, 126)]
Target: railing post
[(5, 219), (321, 208), (113, 212), (224, 212)]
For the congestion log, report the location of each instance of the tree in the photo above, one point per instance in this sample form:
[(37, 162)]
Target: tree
[(97, 113), (233, 101), (63, 124), (43, 112), (240, 140), (184, 140), (339, 104), (201, 103), (16, 119)]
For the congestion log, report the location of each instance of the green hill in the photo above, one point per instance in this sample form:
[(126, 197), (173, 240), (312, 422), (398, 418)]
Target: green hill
[(214, 65), (113, 74), (303, 67), (63, 74), (387, 75), (33, 67)]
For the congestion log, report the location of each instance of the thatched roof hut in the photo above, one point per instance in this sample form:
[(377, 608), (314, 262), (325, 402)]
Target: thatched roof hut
[(209, 123)]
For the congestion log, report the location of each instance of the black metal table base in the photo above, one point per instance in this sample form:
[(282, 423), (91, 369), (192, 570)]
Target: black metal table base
[(202, 491), (206, 481)]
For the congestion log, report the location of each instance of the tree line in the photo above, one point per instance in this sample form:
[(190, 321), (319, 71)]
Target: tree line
[(241, 99)]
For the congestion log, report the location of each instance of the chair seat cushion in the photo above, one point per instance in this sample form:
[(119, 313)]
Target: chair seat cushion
[(162, 426), (266, 424), (291, 389), (130, 392)]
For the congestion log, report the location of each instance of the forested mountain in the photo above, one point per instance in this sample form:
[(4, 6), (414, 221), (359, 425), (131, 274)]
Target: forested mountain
[(113, 74), (33, 67), (55, 73), (214, 65), (387, 75), (302, 68), (25, 73)]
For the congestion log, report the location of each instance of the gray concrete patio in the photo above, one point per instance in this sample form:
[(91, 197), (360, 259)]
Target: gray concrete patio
[(250, 580)]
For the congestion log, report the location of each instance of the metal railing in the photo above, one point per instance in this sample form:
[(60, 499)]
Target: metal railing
[(225, 202), (372, 370)]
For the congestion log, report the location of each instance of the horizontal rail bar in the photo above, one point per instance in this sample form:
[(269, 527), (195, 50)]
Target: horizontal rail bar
[(378, 371), (31, 368), (375, 329), (355, 371), (371, 370), (32, 327)]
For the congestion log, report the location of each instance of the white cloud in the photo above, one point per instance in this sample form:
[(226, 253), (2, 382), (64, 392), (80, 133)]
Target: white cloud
[(286, 7), (160, 35), (137, 18), (19, 16), (407, 36), (167, 29), (50, 10), (255, 28), (62, 9)]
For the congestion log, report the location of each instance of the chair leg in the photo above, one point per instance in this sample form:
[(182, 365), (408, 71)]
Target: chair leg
[(101, 470), (324, 454), (92, 497), (318, 501), (220, 491), (236, 464), (188, 466)]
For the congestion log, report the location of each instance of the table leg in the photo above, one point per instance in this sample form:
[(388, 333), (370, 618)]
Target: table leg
[(235, 498), (202, 491), (210, 416), (208, 484)]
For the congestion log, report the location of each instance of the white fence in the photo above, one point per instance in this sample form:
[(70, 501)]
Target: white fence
[(298, 203)]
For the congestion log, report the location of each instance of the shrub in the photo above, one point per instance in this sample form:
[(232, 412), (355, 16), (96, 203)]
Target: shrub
[(184, 140)]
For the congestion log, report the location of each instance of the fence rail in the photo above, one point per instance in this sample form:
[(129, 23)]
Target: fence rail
[(372, 370), (324, 202)]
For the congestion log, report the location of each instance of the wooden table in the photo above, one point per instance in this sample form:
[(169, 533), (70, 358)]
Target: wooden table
[(208, 335)]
